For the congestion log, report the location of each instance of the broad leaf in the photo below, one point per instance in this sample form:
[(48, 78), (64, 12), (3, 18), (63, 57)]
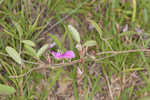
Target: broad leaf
[(13, 54), (74, 32), (6, 90), (30, 51), (29, 43), (90, 43), (42, 50)]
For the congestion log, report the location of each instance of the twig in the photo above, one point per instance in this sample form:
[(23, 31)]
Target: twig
[(109, 87), (55, 66), (85, 59), (127, 51), (46, 66)]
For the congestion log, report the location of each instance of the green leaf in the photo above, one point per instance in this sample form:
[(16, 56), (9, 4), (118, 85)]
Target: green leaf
[(42, 50), (34, 26), (29, 43), (36, 21), (30, 51), (56, 40), (145, 15), (9, 33), (13, 54), (74, 32), (6, 90), (1, 1), (19, 28), (90, 43), (97, 27)]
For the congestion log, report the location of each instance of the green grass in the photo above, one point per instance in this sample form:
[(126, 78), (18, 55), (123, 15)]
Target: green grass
[(123, 76)]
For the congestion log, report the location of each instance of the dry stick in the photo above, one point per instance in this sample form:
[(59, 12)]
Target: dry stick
[(109, 87), (55, 66), (46, 66), (127, 51)]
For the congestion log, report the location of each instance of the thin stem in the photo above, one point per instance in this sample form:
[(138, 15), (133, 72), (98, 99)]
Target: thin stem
[(84, 59), (120, 52)]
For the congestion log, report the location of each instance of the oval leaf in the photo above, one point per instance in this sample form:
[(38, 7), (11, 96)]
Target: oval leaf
[(6, 90), (29, 43), (42, 50), (13, 54), (90, 43), (19, 28), (74, 32), (30, 51)]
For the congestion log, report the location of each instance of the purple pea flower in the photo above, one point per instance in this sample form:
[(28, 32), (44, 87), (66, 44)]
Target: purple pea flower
[(67, 54)]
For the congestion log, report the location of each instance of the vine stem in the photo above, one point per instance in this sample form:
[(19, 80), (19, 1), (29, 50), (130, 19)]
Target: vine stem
[(84, 59)]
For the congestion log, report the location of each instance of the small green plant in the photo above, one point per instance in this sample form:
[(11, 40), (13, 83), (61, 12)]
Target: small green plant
[(99, 49)]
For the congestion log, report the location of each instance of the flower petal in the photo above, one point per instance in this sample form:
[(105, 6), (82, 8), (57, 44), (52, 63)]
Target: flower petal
[(68, 54), (56, 55)]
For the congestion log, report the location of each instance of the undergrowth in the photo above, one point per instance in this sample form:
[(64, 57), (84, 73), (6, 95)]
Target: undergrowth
[(109, 38)]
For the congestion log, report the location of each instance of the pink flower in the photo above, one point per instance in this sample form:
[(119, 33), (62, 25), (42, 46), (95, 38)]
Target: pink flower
[(67, 54)]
